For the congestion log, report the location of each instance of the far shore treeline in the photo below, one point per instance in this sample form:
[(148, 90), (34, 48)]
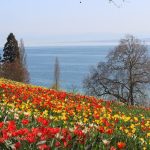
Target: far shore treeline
[(125, 76)]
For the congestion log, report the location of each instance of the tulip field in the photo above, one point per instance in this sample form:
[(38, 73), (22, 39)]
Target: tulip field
[(37, 118)]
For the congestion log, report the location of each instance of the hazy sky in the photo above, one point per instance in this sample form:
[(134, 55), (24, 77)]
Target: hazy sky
[(42, 22)]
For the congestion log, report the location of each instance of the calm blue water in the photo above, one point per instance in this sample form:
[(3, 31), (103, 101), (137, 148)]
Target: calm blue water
[(75, 62)]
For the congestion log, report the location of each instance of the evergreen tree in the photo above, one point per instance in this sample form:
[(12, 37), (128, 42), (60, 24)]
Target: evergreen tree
[(0, 66), (11, 49), (14, 61)]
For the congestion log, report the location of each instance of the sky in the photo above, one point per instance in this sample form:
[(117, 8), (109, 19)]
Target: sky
[(46, 22)]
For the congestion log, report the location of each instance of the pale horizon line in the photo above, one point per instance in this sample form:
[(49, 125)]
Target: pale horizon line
[(84, 43)]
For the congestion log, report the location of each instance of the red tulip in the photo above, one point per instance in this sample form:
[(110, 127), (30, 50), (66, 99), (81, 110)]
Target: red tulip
[(121, 145), (25, 121)]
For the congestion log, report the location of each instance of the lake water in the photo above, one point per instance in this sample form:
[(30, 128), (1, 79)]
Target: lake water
[(75, 62)]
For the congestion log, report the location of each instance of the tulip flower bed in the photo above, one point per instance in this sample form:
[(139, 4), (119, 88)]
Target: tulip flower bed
[(38, 118)]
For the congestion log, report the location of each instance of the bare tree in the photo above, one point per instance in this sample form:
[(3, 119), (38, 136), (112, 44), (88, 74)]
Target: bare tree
[(125, 75), (56, 75), (13, 71), (25, 73)]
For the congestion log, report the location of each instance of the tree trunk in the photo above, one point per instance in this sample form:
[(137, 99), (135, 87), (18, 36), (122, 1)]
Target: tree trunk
[(131, 96), (131, 99)]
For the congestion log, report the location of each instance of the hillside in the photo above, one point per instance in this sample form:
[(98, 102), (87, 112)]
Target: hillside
[(39, 118)]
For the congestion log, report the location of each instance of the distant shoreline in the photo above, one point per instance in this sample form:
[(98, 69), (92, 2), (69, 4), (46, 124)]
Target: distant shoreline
[(79, 43)]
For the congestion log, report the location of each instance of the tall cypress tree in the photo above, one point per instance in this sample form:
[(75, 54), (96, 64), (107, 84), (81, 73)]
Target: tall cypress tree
[(56, 85), (23, 64), (11, 49)]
